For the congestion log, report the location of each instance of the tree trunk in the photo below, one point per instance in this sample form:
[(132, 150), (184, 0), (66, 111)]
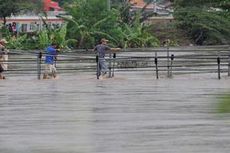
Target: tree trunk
[(199, 40), (81, 42), (4, 20)]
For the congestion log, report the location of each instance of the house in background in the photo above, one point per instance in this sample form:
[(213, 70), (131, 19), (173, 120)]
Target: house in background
[(160, 7), (32, 22), (50, 5)]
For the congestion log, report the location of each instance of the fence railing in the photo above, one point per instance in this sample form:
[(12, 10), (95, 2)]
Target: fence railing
[(164, 62)]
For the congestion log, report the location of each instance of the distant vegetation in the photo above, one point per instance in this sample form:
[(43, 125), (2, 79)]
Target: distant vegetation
[(205, 22), (90, 21), (118, 25)]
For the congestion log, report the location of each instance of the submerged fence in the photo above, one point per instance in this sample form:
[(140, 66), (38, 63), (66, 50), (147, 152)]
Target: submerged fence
[(161, 62)]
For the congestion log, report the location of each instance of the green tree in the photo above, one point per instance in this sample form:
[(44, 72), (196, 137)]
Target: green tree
[(9, 7), (206, 21), (85, 20), (91, 20), (62, 2)]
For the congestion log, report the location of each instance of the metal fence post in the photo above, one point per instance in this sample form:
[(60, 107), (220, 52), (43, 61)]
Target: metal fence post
[(114, 56), (39, 60), (172, 58), (168, 61), (229, 65), (156, 64), (110, 63), (98, 67), (218, 63)]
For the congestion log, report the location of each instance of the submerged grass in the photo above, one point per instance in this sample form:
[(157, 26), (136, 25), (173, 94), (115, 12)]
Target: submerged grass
[(224, 104)]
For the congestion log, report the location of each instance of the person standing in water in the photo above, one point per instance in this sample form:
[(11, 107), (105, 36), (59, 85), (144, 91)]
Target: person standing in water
[(101, 49), (3, 58), (50, 58)]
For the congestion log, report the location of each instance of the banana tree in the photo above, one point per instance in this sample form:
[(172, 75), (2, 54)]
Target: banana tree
[(86, 35), (53, 34), (137, 36)]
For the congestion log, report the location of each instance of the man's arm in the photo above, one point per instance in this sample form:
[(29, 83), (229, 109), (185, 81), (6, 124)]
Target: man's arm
[(115, 49), (53, 51), (94, 49), (111, 50)]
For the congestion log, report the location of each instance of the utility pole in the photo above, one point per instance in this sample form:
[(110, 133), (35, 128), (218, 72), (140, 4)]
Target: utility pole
[(108, 5), (110, 54), (155, 6)]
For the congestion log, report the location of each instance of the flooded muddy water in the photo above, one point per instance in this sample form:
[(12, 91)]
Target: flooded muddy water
[(131, 113)]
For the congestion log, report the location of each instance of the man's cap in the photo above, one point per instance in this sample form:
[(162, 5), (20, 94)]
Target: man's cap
[(104, 40), (3, 41)]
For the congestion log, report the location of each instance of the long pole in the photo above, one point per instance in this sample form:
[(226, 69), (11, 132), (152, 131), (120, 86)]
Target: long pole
[(166, 43), (156, 64), (114, 56), (108, 5), (110, 54), (98, 67), (229, 65), (155, 6), (218, 65), (39, 58)]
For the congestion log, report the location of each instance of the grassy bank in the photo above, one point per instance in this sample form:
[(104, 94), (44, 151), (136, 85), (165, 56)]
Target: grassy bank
[(224, 104)]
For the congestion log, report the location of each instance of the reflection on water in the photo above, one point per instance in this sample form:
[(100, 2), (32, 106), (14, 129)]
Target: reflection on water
[(127, 114)]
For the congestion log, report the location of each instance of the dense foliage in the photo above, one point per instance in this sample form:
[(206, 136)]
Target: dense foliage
[(39, 40), (9, 7), (62, 2), (91, 20), (206, 21)]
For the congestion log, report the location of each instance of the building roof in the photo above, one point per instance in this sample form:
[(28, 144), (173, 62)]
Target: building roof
[(160, 7), (49, 4)]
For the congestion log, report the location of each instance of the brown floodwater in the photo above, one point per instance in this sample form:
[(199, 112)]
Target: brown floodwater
[(130, 113)]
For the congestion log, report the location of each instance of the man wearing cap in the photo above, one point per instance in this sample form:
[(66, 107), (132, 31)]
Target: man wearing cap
[(101, 51), (3, 57)]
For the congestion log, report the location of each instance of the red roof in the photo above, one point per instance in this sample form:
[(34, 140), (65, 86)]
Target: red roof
[(49, 5), (140, 4)]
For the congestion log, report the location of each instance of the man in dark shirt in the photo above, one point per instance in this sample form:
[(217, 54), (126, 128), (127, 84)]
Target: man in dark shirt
[(101, 51)]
